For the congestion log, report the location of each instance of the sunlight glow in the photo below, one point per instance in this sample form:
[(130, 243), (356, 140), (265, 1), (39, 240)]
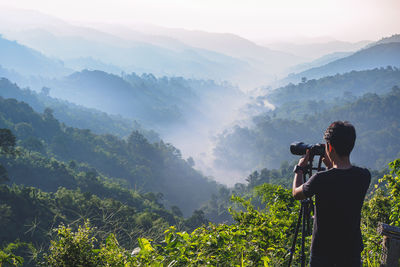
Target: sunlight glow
[(255, 19)]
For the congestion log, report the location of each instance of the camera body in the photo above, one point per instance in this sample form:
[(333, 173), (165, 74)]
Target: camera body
[(300, 148)]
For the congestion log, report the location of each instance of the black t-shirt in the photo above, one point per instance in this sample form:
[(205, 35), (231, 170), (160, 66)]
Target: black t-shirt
[(339, 196)]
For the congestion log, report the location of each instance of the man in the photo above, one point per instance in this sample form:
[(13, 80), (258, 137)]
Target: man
[(339, 195)]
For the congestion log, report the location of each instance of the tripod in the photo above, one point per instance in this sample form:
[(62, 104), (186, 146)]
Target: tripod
[(304, 218)]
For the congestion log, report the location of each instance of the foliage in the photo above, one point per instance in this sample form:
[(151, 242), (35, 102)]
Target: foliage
[(145, 166), (7, 145), (73, 248), (216, 209), (257, 238), (382, 206), (29, 214), (72, 114), (352, 83), (7, 256), (267, 142), (392, 181)]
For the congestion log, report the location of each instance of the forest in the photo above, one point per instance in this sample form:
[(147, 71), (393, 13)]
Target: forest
[(83, 203), (169, 147), (374, 114)]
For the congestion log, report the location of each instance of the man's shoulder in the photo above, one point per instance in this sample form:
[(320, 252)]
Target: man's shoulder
[(354, 170), (362, 171), (327, 172)]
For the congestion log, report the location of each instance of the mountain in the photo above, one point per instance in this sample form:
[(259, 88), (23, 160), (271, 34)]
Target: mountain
[(157, 103), (266, 142), (319, 61), (395, 38), (26, 61), (149, 49), (147, 167), (75, 115), (379, 55), (313, 49), (89, 63), (224, 43), (131, 56), (347, 85)]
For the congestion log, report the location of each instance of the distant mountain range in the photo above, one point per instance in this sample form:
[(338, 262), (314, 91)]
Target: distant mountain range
[(157, 103), (165, 51), (171, 52), (382, 54), (26, 61), (313, 49), (319, 61), (329, 88)]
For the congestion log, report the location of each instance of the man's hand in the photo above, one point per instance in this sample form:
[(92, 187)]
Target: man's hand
[(303, 162)]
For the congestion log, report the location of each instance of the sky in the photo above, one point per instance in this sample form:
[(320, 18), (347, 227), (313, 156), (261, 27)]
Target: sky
[(347, 20)]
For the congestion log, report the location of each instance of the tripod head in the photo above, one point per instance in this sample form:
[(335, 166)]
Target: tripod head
[(310, 168)]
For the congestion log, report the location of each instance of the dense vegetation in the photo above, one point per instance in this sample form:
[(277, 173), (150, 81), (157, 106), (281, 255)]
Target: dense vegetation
[(147, 167), (259, 237), (267, 142), (75, 115), (28, 214), (157, 103), (329, 88)]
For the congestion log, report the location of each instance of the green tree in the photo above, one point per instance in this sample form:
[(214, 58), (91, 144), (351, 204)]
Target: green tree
[(7, 141)]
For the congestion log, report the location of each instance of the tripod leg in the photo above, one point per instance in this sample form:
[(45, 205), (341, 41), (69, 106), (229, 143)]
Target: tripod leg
[(293, 248), (303, 236)]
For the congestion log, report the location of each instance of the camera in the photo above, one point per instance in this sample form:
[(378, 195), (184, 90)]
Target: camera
[(300, 148)]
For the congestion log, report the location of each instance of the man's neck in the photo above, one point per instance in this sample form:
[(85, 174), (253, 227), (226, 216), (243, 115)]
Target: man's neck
[(342, 163)]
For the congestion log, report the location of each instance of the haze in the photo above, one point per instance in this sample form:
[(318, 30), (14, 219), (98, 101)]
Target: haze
[(258, 20), (170, 64)]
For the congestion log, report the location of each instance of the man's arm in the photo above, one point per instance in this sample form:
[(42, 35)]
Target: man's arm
[(298, 180), (297, 189)]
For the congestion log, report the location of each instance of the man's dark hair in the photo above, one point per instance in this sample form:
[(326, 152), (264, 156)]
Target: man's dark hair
[(342, 136)]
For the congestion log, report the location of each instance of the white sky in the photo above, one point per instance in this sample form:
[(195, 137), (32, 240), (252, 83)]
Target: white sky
[(350, 20)]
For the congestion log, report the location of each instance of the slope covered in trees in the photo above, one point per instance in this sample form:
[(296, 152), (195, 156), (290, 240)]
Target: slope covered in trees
[(267, 142), (156, 167), (258, 237), (347, 85), (75, 115), (157, 103)]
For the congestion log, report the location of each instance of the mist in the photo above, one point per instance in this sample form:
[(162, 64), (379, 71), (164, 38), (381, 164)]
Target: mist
[(195, 88)]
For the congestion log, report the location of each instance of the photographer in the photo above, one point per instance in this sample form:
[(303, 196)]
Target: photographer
[(339, 195)]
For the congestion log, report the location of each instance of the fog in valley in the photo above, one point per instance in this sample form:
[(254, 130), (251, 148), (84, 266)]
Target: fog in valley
[(222, 99)]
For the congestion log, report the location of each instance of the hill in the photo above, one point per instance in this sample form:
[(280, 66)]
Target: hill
[(314, 48), (379, 55), (75, 115), (266, 143), (157, 103), (128, 55), (354, 83), (156, 167), (147, 49), (29, 62)]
